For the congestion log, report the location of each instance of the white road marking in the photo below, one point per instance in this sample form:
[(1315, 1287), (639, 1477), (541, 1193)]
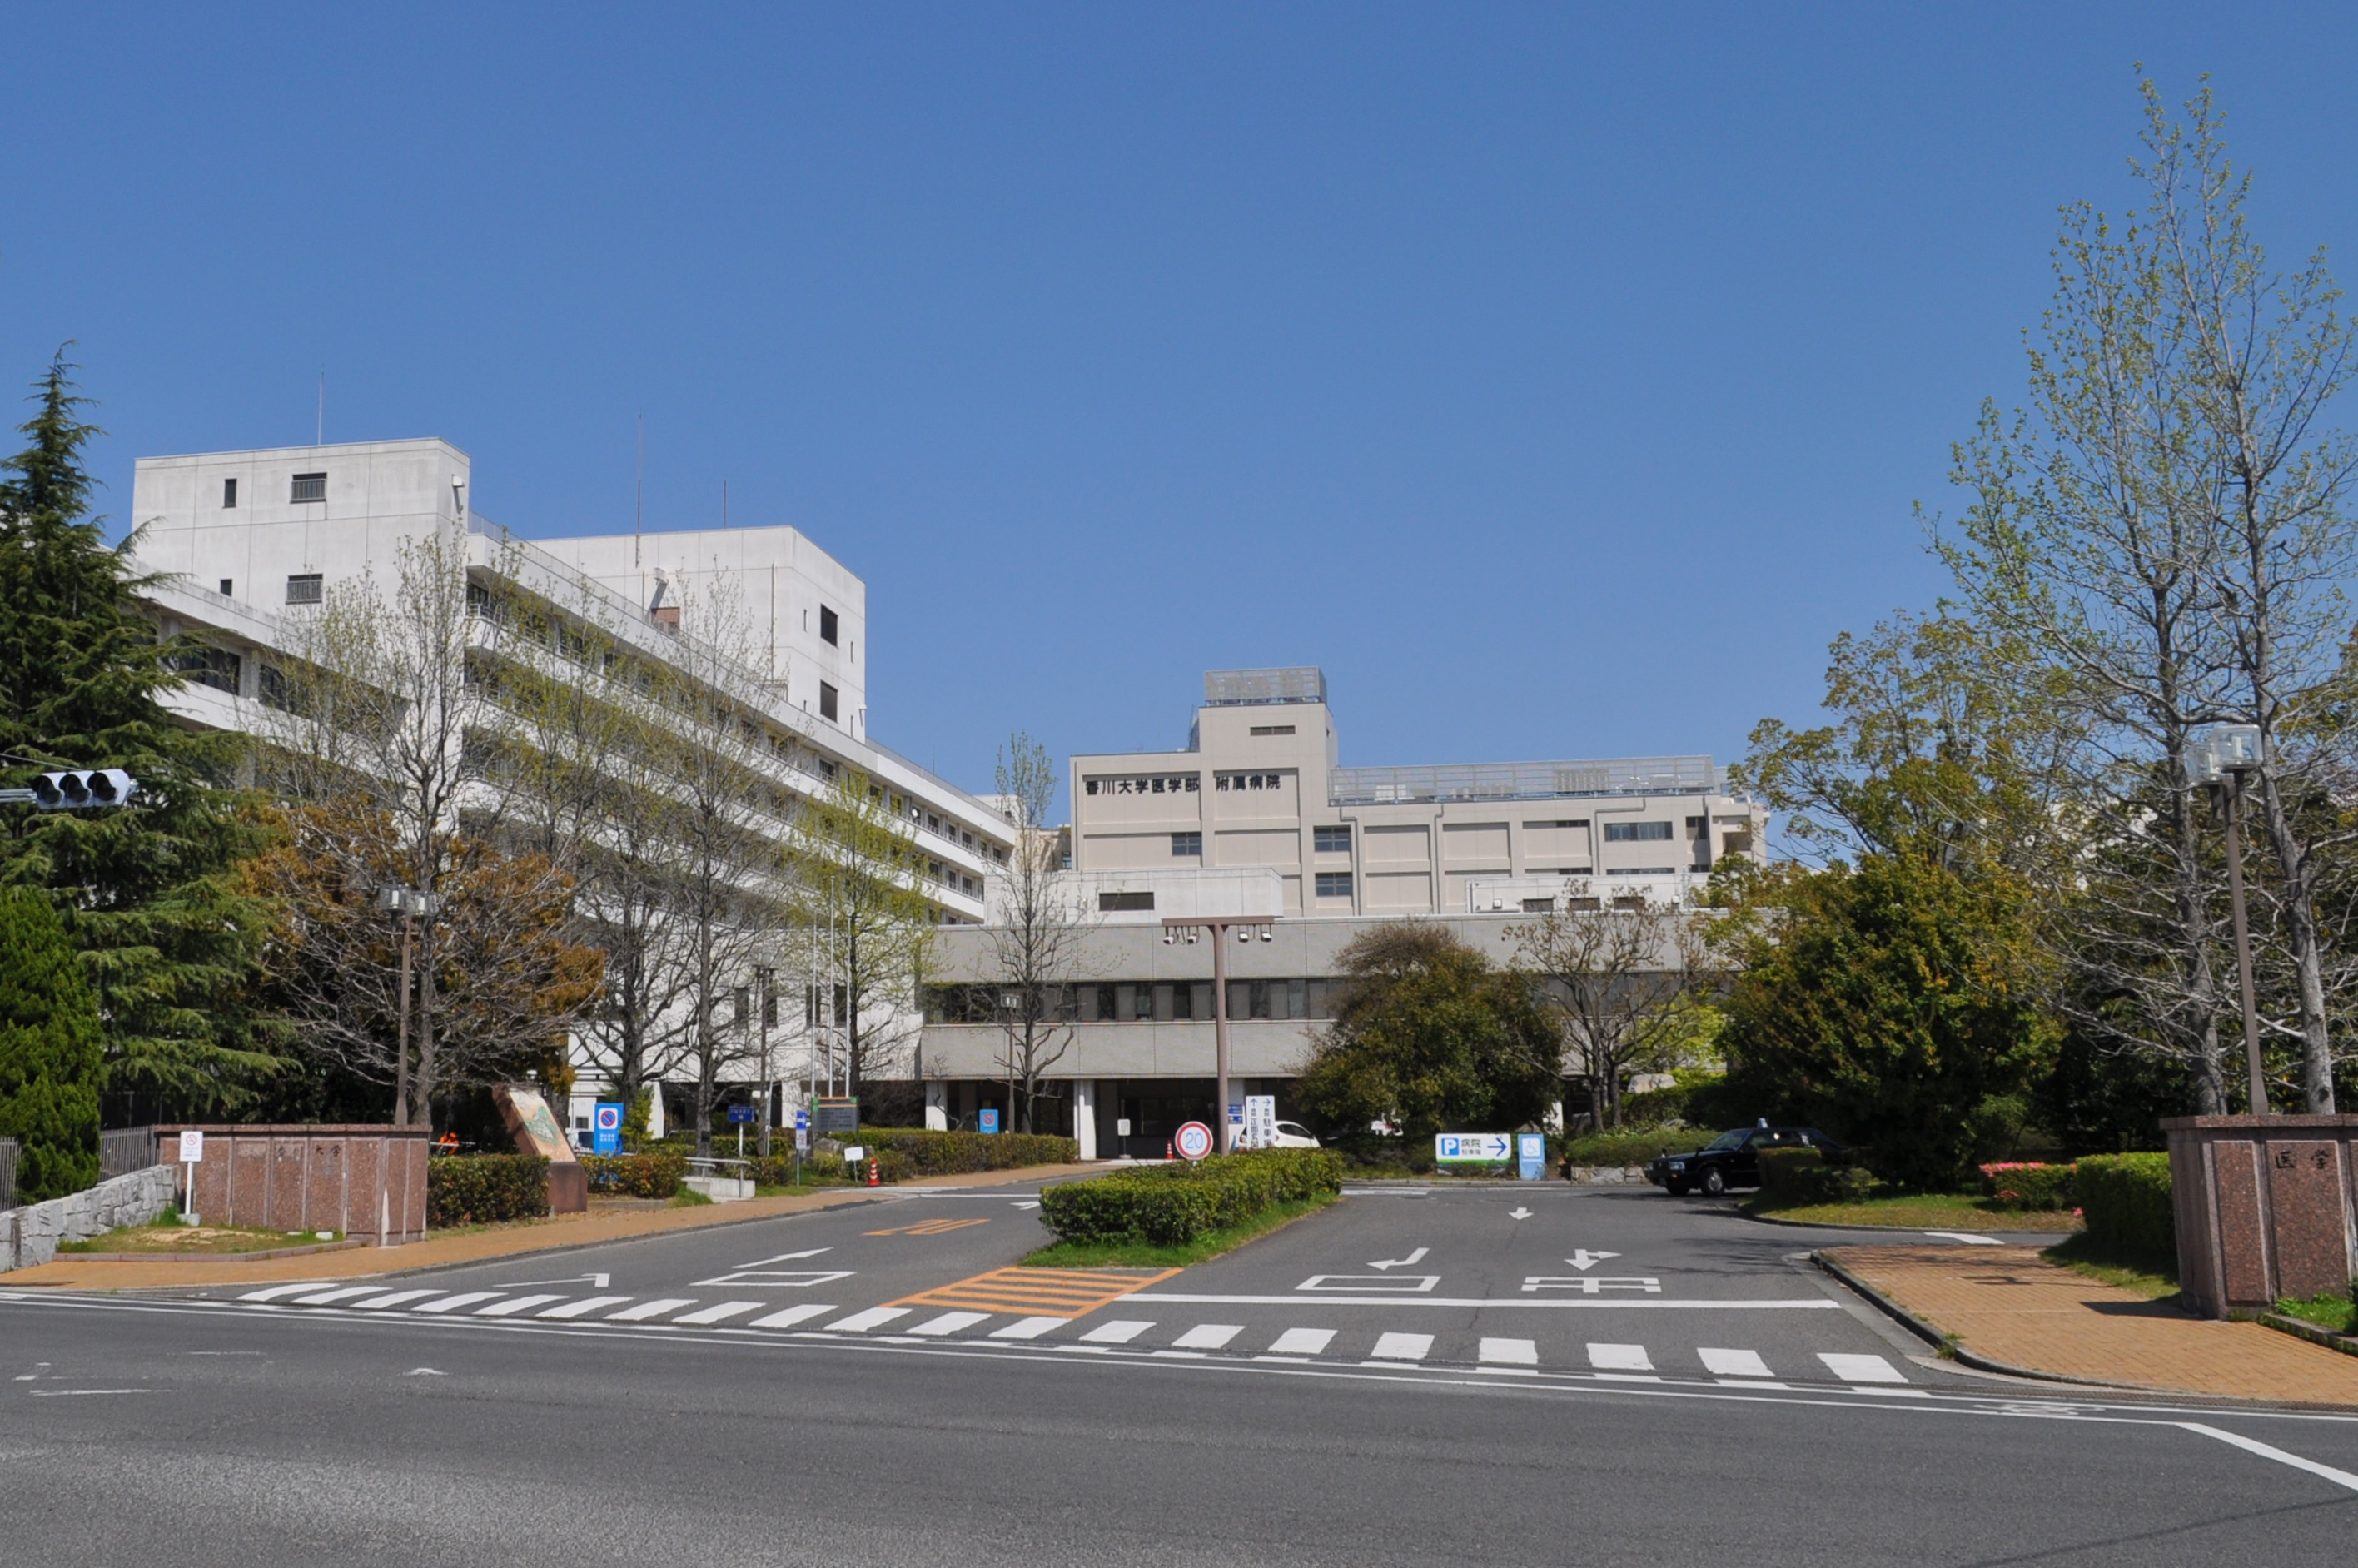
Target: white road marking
[(515, 1304), (70, 1393), (1028, 1327), (861, 1322), (1415, 1257), (1861, 1368), (1592, 1284), (1584, 1260), (1520, 1213), (453, 1303), (950, 1322), (1967, 1236), (1121, 1331), (1509, 1352), (1207, 1337), (2252, 1445), (424, 1372), (347, 1292), (394, 1298), (583, 1307), (275, 1292), (595, 1281), (778, 1279), (1301, 1341), (1405, 1283), (785, 1257), (791, 1316), (1734, 1364), (1814, 1303), (1619, 1358), (646, 1310), (719, 1313), (1402, 1347)]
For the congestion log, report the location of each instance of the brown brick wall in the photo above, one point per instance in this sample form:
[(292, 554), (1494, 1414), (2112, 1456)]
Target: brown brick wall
[(366, 1182)]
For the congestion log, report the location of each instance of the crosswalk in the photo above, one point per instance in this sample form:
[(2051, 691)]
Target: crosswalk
[(1601, 1361)]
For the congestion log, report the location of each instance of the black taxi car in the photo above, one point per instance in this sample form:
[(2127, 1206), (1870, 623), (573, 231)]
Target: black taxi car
[(1732, 1159)]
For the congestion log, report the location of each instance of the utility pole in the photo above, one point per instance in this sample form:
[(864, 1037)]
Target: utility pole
[(1246, 927)]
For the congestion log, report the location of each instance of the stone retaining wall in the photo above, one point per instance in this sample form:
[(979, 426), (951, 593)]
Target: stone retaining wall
[(30, 1236), (1608, 1175)]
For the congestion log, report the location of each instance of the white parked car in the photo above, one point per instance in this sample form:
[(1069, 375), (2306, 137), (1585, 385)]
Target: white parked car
[(1292, 1135)]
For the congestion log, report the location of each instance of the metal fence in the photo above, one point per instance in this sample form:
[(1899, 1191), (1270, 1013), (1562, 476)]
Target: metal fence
[(126, 1149), (7, 1172), (1522, 781)]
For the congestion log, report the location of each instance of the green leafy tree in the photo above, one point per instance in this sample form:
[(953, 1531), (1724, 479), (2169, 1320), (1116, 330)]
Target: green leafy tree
[(49, 1050), (164, 935), (1429, 1036)]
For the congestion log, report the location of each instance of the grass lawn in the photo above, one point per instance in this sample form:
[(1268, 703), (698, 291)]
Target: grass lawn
[(167, 1235), (2151, 1283), (2327, 1311), (1925, 1211), (1147, 1255)]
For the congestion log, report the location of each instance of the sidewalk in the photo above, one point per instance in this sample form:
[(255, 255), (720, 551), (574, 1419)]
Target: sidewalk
[(567, 1230), (2009, 1304)]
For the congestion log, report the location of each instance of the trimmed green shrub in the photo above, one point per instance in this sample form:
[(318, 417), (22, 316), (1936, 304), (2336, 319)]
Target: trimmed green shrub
[(1174, 1204), (49, 1050), (1654, 1107), (1631, 1148), (2031, 1186), (485, 1189), (656, 1174), (2126, 1200), (929, 1153), (778, 1170), (1797, 1178)]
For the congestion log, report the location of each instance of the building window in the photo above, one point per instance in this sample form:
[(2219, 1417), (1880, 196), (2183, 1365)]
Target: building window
[(308, 487), (1539, 906), (304, 588), (228, 493), (1334, 884), (826, 700), (1643, 871), (1637, 832), (826, 626), (216, 668), (1331, 840), (1272, 729), (229, 586), (1110, 902), (1187, 844)]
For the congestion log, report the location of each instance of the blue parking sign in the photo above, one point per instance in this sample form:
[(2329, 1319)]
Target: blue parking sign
[(606, 1128)]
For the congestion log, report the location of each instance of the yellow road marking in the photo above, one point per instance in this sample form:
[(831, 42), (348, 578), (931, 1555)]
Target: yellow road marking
[(1039, 1292), (929, 1227)]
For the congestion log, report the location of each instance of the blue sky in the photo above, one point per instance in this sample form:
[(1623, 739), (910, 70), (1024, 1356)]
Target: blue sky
[(1560, 378)]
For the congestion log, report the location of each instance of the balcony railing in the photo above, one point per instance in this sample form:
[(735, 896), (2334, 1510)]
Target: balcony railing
[(1522, 781)]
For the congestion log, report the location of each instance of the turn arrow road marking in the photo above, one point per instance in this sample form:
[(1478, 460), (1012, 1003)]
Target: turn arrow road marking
[(1415, 1257)]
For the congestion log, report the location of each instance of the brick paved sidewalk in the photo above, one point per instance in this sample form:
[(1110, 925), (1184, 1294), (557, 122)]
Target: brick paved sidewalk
[(2011, 1305), (505, 1241)]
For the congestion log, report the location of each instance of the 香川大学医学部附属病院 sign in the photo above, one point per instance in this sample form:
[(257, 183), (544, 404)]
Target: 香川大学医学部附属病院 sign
[(1489, 1148)]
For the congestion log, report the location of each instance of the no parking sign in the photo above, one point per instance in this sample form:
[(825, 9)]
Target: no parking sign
[(606, 1128)]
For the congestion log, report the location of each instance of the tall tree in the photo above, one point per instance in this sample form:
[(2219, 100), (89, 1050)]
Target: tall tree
[(148, 893), (49, 1050), (1037, 932), (1619, 980), (862, 927)]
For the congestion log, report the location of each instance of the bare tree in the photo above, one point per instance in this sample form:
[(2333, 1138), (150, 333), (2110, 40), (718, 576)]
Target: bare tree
[(1037, 932), (862, 926), (1620, 981)]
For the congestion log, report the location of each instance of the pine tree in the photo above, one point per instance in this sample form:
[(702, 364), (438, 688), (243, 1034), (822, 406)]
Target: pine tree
[(49, 1050), (165, 936)]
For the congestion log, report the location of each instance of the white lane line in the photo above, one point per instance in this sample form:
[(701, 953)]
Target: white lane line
[(861, 1322), (395, 1298), (275, 1292), (1402, 1347), (464, 1298), (793, 1316), (2252, 1445), (1619, 1358), (1734, 1364), (1301, 1341), (1509, 1353), (513, 1305), (324, 1297), (646, 1310), (1498, 1304), (1207, 1337), (1861, 1368), (1966, 1237), (583, 1307), (1758, 1383), (1028, 1327), (1121, 1331), (950, 1322), (719, 1313)]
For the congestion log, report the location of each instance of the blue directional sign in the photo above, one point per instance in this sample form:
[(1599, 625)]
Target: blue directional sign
[(740, 1113), (606, 1128), (1484, 1148), (987, 1121), (802, 1121)]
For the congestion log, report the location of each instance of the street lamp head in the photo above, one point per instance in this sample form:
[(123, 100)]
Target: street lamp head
[(2235, 748)]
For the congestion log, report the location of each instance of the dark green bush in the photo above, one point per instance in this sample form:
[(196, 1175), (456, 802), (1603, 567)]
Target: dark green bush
[(654, 1174), (2021, 1185), (1174, 1203), (1631, 1148), (778, 1170), (955, 1153), (1654, 1107), (1797, 1178), (2126, 1200), (485, 1189)]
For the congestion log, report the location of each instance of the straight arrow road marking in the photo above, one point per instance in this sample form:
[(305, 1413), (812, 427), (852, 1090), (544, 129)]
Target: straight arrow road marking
[(1520, 1213), (1415, 1257), (1584, 1258)]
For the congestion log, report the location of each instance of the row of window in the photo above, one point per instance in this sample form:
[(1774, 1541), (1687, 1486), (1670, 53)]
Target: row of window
[(306, 487), (1143, 1002)]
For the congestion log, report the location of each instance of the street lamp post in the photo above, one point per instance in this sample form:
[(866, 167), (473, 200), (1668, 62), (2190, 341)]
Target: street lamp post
[(1246, 926), (408, 903), (2227, 753)]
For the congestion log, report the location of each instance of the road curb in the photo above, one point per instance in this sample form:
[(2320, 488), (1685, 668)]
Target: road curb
[(1894, 1230), (2343, 1342), (1939, 1341)]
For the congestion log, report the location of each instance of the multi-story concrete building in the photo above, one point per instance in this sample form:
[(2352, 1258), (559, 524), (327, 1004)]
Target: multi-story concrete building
[(1256, 816), (248, 543)]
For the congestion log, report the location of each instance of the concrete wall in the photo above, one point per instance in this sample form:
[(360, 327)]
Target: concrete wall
[(30, 1237)]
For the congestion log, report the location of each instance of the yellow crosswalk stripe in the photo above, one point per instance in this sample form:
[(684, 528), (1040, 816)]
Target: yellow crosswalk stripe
[(929, 1227), (1039, 1292)]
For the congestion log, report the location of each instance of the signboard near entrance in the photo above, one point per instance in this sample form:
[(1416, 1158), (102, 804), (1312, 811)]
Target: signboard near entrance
[(835, 1113), (1261, 1122), (1477, 1148), (606, 1128), (987, 1120), (1530, 1156), (740, 1113), (1192, 1140)]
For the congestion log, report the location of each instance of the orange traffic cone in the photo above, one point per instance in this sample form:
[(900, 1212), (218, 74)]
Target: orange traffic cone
[(1170, 1149), (871, 1173)]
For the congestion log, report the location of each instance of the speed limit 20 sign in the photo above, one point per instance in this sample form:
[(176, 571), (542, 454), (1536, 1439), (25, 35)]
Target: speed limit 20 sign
[(1192, 1140)]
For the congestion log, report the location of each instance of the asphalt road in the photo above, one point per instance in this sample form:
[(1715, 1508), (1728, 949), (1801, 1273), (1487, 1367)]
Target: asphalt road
[(1538, 1419)]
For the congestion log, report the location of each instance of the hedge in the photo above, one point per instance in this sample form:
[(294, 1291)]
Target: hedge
[(954, 1153), (2031, 1186), (1174, 1204), (2126, 1200), (778, 1170), (1797, 1178), (485, 1189), (650, 1175)]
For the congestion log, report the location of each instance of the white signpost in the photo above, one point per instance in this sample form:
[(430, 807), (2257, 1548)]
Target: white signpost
[(1261, 1121), (192, 1155), (1473, 1148)]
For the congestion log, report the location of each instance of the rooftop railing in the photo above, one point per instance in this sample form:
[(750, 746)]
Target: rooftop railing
[(1244, 689), (1522, 781)]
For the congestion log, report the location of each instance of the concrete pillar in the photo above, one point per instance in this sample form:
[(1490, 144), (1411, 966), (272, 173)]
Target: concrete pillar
[(1085, 1116), (938, 1106)]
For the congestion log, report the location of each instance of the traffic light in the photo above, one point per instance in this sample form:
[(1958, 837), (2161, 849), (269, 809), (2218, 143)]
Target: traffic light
[(83, 789)]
